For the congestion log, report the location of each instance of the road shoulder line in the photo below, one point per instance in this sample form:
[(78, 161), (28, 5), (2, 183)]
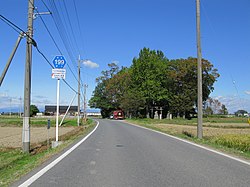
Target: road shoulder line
[(56, 161), (194, 144)]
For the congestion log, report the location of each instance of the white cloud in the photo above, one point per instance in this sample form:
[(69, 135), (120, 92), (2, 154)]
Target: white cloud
[(9, 102), (115, 62), (90, 64), (234, 103), (247, 92)]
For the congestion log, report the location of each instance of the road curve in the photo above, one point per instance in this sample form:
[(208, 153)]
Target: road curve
[(118, 154)]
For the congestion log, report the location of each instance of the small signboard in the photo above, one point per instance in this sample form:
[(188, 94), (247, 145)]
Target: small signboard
[(58, 73)]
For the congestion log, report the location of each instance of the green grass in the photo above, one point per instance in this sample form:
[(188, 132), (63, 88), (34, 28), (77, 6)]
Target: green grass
[(14, 163)]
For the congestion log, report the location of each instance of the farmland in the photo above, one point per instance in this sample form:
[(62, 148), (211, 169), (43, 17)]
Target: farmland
[(226, 134)]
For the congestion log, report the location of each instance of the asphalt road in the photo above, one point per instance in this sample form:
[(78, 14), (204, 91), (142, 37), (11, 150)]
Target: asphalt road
[(121, 155)]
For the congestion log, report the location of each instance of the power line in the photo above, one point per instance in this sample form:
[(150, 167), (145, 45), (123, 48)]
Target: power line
[(63, 34), (11, 24), (71, 28), (15, 27), (53, 38), (78, 23), (46, 6), (61, 28), (3, 19)]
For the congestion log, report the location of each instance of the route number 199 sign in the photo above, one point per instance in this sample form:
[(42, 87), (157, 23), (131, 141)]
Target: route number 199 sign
[(59, 62)]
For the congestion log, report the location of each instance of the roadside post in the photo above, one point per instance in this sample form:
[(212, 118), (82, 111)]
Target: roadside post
[(58, 73), (48, 127)]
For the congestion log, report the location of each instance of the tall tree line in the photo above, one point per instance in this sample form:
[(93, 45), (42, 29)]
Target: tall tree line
[(151, 83)]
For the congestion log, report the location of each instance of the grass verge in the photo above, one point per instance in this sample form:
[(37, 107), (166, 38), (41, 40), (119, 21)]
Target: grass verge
[(14, 163), (233, 141)]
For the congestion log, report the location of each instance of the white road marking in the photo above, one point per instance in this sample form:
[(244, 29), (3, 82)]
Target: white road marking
[(194, 144), (52, 164)]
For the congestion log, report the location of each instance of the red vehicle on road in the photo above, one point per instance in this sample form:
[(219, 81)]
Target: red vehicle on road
[(118, 114)]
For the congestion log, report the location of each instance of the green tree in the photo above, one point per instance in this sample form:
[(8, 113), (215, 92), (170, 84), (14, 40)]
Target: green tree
[(148, 77), (102, 98), (33, 110), (152, 80), (223, 110), (182, 74)]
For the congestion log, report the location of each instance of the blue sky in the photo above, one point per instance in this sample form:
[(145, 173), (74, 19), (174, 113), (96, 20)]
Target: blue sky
[(116, 30)]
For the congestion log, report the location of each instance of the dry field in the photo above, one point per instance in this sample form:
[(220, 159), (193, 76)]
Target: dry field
[(207, 131), (12, 136)]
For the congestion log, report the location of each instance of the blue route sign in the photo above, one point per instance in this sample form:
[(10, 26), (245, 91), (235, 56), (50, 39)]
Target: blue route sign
[(59, 62)]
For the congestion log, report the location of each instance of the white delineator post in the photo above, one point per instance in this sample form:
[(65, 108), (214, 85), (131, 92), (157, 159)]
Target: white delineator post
[(57, 107)]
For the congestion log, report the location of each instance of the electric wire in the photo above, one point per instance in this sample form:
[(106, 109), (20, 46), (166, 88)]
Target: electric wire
[(53, 38), (78, 24), (62, 15), (46, 6), (58, 21), (16, 28), (61, 30), (71, 28), (55, 42), (3, 19), (11, 24)]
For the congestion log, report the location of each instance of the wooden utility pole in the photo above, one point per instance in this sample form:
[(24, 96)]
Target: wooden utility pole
[(199, 66), (27, 81)]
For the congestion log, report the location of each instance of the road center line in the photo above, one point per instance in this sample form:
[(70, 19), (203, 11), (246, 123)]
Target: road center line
[(52, 164)]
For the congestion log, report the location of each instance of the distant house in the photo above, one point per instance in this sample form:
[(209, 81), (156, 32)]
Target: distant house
[(51, 110), (246, 115)]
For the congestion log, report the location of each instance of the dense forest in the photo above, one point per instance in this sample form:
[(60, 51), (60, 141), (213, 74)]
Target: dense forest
[(153, 85)]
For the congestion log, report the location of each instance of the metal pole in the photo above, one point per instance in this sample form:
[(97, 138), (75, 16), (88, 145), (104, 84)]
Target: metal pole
[(78, 109), (57, 107), (67, 110), (199, 125), (27, 82)]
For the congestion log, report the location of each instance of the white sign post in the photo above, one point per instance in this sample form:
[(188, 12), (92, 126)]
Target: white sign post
[(58, 73), (57, 107)]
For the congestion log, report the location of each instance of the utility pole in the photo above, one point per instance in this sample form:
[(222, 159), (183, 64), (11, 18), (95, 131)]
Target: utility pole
[(79, 79), (85, 102), (199, 66), (27, 81)]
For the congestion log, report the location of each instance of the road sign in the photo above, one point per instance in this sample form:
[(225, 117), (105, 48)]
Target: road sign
[(58, 73), (59, 62)]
